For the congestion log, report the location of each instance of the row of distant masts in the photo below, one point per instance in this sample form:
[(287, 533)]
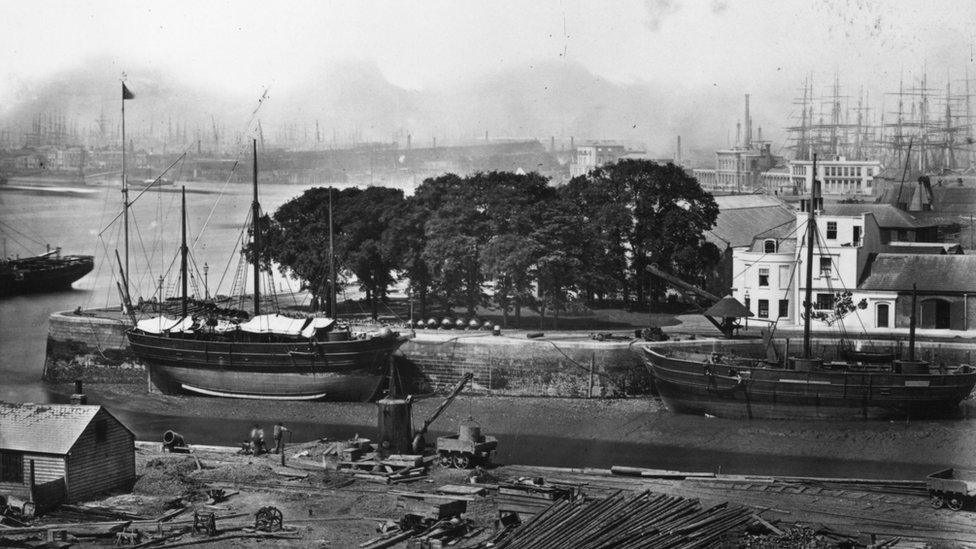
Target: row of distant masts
[(57, 129), (937, 121)]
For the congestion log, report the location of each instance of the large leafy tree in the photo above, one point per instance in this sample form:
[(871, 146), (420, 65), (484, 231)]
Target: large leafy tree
[(652, 213), (297, 239)]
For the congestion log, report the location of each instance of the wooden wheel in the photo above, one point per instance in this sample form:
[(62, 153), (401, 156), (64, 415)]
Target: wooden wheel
[(937, 502), (462, 461), (955, 503), (445, 459)]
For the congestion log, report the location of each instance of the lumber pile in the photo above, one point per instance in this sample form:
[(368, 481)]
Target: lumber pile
[(529, 498), (393, 469), (644, 520)]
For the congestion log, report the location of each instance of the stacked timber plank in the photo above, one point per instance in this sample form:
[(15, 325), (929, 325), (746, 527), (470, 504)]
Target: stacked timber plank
[(393, 469), (527, 499), (644, 520)]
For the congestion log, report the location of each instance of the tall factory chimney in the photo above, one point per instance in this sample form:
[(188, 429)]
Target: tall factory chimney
[(572, 143), (738, 133), (552, 143), (677, 159), (408, 141), (748, 141)]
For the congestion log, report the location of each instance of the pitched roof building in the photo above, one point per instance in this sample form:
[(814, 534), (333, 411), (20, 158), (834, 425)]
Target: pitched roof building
[(54, 453)]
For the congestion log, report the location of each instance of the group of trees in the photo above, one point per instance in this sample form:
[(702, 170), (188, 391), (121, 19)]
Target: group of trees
[(505, 239)]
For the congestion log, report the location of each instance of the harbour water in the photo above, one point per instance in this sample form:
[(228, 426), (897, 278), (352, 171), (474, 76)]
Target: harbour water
[(73, 221)]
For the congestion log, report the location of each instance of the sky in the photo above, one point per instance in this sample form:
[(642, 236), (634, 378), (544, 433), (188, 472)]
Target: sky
[(677, 47)]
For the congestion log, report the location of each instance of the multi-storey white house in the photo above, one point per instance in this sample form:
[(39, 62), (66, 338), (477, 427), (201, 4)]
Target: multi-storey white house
[(850, 255)]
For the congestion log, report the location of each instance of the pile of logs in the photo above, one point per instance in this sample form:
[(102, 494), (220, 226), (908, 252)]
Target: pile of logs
[(394, 469), (644, 520)]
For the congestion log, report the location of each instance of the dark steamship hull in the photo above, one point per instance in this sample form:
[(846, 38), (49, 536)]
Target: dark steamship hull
[(333, 370), (734, 391), (43, 274)]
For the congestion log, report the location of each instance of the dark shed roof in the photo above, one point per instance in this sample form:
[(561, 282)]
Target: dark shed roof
[(730, 307), (742, 217), (887, 216), (44, 428), (932, 273)]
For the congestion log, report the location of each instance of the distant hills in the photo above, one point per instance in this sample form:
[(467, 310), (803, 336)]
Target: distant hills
[(353, 100)]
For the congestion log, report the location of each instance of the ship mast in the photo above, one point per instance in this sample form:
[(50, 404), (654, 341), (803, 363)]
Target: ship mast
[(183, 251), (255, 212), (125, 192), (811, 240), (333, 313)]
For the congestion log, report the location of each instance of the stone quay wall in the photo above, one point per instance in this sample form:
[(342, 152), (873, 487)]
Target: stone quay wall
[(90, 348), (518, 366), (94, 349)]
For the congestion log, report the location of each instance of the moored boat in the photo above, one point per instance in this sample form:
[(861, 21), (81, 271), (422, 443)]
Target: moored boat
[(43, 273), (740, 379), (269, 356), (693, 380)]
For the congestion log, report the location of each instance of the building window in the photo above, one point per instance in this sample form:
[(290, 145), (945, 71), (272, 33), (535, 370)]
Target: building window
[(11, 467), (769, 246), (764, 276), (831, 230), (882, 316), (825, 266), (101, 431), (763, 308), (784, 308), (824, 302)]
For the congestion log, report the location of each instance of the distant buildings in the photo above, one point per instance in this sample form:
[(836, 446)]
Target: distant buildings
[(591, 156), (738, 169), (838, 177)]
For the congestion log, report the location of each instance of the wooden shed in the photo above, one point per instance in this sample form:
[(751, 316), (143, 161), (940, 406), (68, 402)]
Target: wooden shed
[(57, 453)]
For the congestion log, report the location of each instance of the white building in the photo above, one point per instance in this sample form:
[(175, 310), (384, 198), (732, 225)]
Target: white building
[(589, 157), (769, 277), (838, 177)]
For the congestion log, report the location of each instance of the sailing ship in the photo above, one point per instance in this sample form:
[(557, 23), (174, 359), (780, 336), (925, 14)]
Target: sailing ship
[(43, 273), (270, 356), (744, 380)]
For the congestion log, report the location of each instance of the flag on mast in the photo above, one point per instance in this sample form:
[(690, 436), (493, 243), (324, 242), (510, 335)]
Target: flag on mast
[(126, 94)]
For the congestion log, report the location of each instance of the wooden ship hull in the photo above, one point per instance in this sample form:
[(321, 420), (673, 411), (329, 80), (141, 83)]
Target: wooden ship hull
[(43, 273), (299, 370), (693, 385)]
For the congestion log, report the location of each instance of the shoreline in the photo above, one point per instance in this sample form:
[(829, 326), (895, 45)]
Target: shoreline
[(547, 431)]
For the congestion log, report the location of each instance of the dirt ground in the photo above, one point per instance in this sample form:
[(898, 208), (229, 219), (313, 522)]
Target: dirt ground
[(328, 509)]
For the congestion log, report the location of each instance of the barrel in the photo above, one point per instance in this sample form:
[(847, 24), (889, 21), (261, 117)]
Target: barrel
[(469, 432), (172, 438)]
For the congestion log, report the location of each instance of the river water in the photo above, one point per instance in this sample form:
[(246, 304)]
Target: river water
[(73, 218)]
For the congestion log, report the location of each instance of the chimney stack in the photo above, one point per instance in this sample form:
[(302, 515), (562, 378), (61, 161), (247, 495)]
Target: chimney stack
[(748, 141), (677, 159), (79, 396)]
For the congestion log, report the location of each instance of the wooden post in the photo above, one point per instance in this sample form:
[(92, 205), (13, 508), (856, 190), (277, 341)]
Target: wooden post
[(489, 371), (592, 367), (31, 485)]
